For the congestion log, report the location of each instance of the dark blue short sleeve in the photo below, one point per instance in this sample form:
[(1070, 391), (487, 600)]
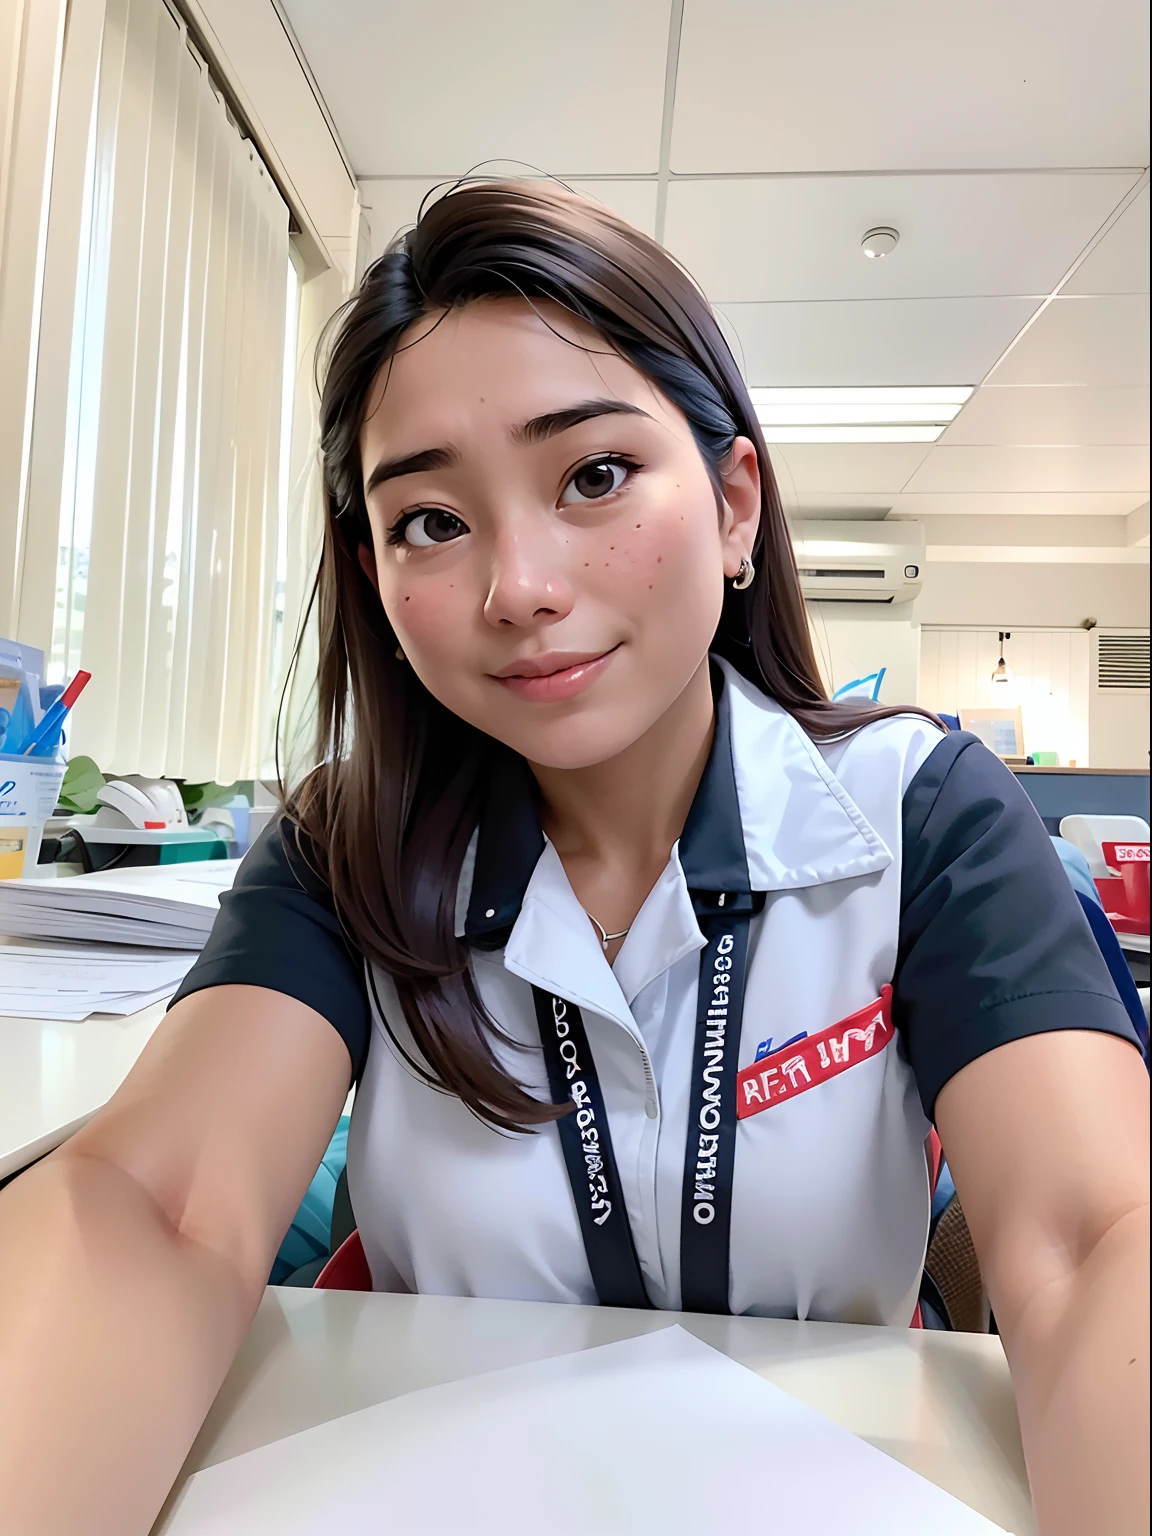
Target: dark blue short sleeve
[(277, 928), (993, 943)]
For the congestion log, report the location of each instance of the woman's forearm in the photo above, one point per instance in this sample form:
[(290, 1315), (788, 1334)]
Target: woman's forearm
[(1079, 1357), (115, 1333)]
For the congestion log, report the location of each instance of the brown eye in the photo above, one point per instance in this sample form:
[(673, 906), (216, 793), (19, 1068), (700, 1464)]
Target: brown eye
[(435, 526), (595, 480)]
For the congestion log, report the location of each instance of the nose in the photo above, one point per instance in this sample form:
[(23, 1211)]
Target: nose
[(527, 584)]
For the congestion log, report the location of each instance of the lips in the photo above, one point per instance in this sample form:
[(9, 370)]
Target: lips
[(555, 677), (546, 666)]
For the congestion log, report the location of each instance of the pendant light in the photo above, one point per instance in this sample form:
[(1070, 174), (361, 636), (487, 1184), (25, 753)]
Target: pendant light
[(1002, 672)]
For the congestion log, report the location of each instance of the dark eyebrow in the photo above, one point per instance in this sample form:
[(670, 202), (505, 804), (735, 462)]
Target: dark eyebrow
[(411, 464), (540, 428)]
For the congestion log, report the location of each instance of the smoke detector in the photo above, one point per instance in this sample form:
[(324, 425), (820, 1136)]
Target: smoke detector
[(879, 242)]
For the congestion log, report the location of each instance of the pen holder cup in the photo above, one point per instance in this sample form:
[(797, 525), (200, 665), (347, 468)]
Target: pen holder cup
[(29, 789)]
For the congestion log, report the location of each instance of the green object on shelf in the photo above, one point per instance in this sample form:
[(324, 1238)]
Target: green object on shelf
[(198, 797), (1046, 759), (83, 781)]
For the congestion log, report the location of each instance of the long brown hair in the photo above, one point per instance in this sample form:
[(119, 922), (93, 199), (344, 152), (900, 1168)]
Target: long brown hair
[(387, 818)]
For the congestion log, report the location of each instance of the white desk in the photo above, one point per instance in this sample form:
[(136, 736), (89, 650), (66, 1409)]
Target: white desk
[(940, 1403), (55, 1075), (1136, 942)]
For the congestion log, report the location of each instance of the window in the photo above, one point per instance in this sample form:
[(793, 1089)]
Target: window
[(163, 407)]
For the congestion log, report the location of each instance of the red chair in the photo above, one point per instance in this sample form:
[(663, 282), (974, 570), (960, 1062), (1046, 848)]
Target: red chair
[(1125, 898), (347, 1269)]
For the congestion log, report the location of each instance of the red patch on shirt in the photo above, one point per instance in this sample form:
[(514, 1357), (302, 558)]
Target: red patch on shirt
[(813, 1061)]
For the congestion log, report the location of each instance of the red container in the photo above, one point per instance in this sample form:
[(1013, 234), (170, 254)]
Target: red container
[(1126, 898)]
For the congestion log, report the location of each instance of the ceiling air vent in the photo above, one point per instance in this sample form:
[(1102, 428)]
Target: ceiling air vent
[(1122, 661)]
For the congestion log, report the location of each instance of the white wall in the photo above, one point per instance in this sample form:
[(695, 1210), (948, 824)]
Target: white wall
[(1044, 595), (1049, 682), (1053, 595), (853, 640)]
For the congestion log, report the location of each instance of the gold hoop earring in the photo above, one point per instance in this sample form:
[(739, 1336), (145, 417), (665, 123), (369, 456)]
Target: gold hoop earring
[(743, 577), (400, 656)]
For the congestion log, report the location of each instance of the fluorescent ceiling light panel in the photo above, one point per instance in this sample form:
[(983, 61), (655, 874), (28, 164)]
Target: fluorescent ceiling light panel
[(916, 395), (855, 416), (912, 415), (922, 433)]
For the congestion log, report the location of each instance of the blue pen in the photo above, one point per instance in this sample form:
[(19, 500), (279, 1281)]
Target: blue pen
[(54, 716)]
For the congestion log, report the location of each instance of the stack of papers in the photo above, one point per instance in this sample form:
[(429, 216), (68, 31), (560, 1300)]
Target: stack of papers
[(66, 982), (165, 907), (655, 1436)]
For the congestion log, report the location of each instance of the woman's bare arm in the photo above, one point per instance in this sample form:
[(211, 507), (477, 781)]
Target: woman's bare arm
[(135, 1255), (1047, 1139)]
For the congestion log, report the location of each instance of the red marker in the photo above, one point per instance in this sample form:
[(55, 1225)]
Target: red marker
[(54, 715)]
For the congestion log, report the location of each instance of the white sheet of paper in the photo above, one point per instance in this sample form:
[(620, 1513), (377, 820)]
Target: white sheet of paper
[(659, 1434), (169, 906), (61, 982)]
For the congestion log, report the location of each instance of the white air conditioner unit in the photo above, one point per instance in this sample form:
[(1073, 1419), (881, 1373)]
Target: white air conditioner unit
[(859, 562)]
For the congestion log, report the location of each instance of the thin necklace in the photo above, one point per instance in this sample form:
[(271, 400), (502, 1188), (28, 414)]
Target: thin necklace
[(606, 938)]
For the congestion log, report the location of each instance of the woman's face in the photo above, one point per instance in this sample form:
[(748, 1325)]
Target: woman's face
[(546, 541)]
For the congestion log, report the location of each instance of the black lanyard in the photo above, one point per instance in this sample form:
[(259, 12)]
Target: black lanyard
[(586, 1141)]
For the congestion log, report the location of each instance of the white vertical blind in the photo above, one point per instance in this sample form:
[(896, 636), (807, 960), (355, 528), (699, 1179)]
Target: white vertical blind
[(31, 44), (1049, 681), (159, 407)]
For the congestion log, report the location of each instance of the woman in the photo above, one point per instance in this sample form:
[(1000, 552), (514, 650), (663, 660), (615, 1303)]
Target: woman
[(652, 965)]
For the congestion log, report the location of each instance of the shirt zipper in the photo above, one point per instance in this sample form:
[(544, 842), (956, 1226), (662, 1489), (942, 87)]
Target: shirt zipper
[(651, 1108)]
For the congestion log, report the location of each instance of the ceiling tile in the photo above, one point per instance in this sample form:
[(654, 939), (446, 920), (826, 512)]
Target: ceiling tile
[(1119, 264), (798, 237), (847, 506), (1016, 504), (436, 88), (860, 468), (1082, 341), (832, 85), (1054, 415), (893, 341), (1032, 469), (391, 204)]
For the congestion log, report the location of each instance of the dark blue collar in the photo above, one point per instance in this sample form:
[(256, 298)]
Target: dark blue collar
[(510, 842)]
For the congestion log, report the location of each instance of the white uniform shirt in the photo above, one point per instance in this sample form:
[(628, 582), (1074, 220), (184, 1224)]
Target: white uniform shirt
[(830, 1194)]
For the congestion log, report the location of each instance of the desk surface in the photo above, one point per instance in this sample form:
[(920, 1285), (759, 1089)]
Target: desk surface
[(54, 1076), (940, 1403), (1089, 773)]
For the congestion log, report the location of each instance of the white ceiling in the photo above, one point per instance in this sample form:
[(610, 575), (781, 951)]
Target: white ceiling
[(1006, 140), (1082, 416), (1101, 340), (1119, 264), (836, 85), (875, 341), (436, 87), (798, 237)]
